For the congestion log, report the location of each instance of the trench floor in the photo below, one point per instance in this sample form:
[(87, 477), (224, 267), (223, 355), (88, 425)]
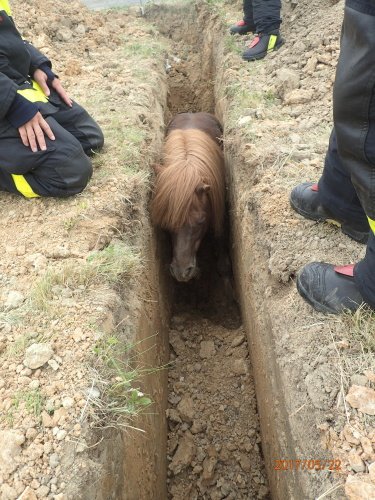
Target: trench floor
[(214, 444)]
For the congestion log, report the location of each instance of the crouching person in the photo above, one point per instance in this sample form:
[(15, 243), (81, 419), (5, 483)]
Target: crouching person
[(45, 137)]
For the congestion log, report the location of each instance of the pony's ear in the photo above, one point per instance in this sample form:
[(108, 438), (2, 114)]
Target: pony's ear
[(157, 168), (202, 188)]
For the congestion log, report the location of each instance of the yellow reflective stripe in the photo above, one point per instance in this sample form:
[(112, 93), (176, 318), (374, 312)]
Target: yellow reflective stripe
[(272, 42), (23, 186), (35, 94), (4, 5), (372, 224)]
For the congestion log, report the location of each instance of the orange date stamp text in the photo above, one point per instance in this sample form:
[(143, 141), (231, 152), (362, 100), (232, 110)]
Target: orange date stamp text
[(307, 464)]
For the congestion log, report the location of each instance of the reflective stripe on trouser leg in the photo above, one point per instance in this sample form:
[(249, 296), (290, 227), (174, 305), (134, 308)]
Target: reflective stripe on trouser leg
[(4, 5), (372, 224), (23, 186)]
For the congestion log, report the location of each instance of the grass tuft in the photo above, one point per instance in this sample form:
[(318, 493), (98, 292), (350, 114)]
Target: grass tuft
[(103, 266), (117, 378)]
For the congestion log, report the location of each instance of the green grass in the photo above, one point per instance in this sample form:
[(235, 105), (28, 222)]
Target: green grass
[(103, 266), (121, 398), (32, 401)]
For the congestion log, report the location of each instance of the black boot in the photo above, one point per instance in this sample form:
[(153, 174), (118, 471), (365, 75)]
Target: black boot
[(304, 199), (241, 28), (261, 45), (329, 289)]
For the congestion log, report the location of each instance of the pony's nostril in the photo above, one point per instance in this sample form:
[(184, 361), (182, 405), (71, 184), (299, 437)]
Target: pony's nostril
[(189, 271)]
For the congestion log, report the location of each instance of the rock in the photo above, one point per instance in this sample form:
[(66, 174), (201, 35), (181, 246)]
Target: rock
[(177, 343), (245, 462), (173, 415), (198, 426), (321, 387), (186, 409), (287, 80), (54, 460), (10, 448), (60, 435), (64, 34), (238, 340), (53, 364), (208, 473), (34, 451), (362, 398), (68, 402), (42, 491), (37, 355), (92, 392), (244, 120), (184, 455), (47, 420), (28, 494), (357, 379), (311, 65), (366, 445), (38, 261), (298, 96), (207, 349), (356, 462), (358, 489), (240, 367), (348, 435), (14, 299)]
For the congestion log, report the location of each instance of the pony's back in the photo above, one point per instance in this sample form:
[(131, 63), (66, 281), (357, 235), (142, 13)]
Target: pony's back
[(192, 157)]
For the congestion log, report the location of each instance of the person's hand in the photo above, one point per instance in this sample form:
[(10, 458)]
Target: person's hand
[(41, 79), (33, 133)]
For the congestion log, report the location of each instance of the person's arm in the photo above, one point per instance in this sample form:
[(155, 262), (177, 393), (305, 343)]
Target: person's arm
[(37, 59), (23, 115)]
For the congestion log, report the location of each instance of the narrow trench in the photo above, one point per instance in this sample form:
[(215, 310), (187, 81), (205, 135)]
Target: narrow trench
[(214, 444)]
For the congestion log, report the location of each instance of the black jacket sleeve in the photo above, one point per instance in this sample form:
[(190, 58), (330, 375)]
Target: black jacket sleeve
[(37, 58), (8, 91)]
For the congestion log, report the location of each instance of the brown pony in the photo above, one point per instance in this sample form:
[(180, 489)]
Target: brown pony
[(189, 195)]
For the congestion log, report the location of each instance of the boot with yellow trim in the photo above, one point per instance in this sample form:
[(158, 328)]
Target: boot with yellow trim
[(261, 45)]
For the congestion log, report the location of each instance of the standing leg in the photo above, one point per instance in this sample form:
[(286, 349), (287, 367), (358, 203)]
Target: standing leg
[(267, 20), (246, 25), (329, 288)]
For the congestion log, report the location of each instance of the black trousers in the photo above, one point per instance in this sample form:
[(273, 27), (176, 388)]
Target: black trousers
[(347, 186), (263, 14), (64, 169)]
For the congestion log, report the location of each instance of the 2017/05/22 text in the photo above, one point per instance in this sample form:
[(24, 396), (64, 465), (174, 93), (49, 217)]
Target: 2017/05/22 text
[(308, 464)]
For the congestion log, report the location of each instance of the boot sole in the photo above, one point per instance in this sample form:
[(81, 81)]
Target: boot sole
[(261, 55), (358, 236)]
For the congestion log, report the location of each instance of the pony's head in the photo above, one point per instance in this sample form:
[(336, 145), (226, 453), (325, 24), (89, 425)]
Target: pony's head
[(189, 196)]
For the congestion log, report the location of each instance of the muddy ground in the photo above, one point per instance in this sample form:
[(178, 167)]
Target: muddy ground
[(133, 74)]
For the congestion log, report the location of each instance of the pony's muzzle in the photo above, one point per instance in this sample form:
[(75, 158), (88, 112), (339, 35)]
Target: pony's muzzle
[(185, 274)]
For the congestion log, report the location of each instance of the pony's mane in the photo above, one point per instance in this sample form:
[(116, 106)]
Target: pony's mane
[(191, 158)]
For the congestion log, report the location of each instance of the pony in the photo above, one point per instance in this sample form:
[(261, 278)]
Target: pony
[(189, 193)]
